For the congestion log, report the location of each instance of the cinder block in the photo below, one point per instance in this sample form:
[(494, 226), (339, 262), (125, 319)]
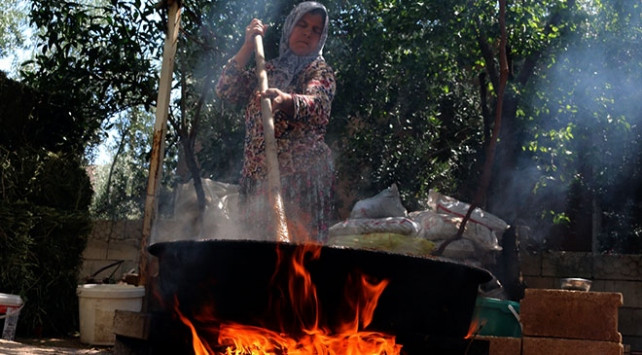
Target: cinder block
[(630, 322), (123, 250), (556, 346), (502, 345), (630, 290), (634, 342), (530, 264), (541, 282), (132, 324), (95, 249), (571, 314), (618, 267), (564, 264)]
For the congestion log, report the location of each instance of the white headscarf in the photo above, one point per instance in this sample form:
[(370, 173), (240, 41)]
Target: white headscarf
[(289, 63)]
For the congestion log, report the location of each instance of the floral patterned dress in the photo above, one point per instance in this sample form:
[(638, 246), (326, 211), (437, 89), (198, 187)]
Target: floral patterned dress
[(305, 161)]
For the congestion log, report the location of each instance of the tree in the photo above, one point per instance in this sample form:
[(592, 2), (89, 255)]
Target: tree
[(416, 95), (44, 200), (13, 20)]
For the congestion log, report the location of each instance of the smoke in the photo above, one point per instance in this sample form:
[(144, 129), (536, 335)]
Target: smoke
[(220, 220), (584, 120)]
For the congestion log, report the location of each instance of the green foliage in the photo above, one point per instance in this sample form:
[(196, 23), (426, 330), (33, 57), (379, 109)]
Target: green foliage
[(44, 219), (415, 103), (120, 186), (11, 22), (44, 224), (403, 113), (97, 54), (583, 116)]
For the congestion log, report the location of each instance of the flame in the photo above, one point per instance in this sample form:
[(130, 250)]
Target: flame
[(347, 338), (200, 348), (474, 328), (245, 339)]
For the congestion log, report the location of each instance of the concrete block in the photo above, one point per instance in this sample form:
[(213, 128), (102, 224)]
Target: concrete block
[(132, 324), (634, 342), (571, 314), (89, 267), (557, 346), (502, 345), (618, 267), (133, 229), (630, 321), (106, 230), (565, 264), (95, 249), (630, 290), (541, 282), (530, 264), (123, 250)]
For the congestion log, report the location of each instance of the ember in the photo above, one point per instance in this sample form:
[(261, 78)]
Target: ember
[(347, 336)]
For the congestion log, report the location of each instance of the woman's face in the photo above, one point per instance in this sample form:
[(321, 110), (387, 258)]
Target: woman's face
[(306, 34)]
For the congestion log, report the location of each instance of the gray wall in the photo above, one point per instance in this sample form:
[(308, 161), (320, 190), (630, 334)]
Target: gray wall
[(610, 273)]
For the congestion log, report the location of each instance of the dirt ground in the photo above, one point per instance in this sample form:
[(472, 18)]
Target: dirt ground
[(50, 346)]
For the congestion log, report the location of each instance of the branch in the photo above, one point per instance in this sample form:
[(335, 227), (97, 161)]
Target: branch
[(490, 151), (487, 53)]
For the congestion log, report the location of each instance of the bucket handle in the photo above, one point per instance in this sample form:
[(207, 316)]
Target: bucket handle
[(11, 311), (514, 312)]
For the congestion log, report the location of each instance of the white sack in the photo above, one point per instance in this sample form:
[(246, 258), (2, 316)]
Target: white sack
[(386, 203), (438, 226), (396, 225), (445, 204)]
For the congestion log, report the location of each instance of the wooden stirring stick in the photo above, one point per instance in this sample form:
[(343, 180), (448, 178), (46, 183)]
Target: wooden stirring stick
[(277, 209)]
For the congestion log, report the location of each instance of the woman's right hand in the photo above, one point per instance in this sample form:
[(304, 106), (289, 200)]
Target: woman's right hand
[(256, 27)]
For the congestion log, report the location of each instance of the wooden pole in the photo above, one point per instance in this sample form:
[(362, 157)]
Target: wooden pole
[(277, 210), (160, 128)]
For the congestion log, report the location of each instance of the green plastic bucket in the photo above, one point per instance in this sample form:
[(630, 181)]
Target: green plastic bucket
[(494, 317)]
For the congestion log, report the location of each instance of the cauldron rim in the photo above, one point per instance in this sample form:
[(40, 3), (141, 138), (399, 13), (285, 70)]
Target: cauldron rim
[(158, 248)]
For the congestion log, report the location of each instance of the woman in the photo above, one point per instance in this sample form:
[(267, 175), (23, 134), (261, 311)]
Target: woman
[(301, 88)]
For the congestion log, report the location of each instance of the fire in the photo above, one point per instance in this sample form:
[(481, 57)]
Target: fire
[(200, 348), (348, 337), (474, 328)]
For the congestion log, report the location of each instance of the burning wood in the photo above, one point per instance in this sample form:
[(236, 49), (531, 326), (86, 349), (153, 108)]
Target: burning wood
[(347, 336)]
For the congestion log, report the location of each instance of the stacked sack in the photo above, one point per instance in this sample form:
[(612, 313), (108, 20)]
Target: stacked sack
[(381, 222), (480, 239)]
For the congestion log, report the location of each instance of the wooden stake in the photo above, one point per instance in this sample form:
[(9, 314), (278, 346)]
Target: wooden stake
[(274, 176), (160, 128)]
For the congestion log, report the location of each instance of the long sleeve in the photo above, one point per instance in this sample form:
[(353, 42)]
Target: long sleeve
[(314, 104), (234, 85)]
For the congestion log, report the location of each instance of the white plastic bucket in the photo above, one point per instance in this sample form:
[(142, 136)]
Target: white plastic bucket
[(10, 306), (98, 303)]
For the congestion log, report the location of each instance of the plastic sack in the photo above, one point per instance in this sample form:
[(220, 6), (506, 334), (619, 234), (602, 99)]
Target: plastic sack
[(439, 226), (396, 225), (386, 203), (445, 204)]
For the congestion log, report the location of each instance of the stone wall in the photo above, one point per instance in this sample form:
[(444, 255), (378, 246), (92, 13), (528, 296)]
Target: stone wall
[(108, 243), (609, 273)]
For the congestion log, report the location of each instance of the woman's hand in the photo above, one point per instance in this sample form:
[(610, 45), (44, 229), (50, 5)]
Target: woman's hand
[(256, 27), (280, 100)]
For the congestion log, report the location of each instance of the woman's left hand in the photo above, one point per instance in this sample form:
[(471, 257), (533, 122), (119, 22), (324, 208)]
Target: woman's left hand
[(280, 100)]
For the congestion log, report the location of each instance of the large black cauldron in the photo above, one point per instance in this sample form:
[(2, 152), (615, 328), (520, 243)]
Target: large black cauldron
[(425, 297)]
